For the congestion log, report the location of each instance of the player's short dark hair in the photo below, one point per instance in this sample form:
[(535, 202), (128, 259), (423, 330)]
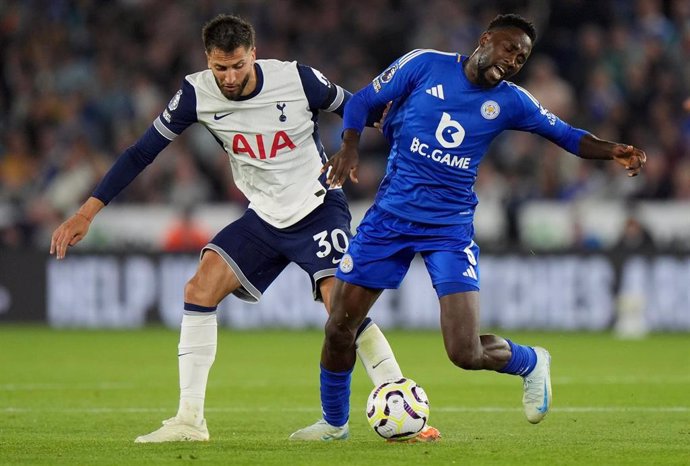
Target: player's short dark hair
[(227, 33), (514, 20)]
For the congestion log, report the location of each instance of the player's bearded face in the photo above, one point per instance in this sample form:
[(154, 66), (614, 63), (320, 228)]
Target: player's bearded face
[(233, 71), (502, 53)]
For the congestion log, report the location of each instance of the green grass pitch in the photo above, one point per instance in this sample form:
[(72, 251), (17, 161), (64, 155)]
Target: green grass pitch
[(81, 397)]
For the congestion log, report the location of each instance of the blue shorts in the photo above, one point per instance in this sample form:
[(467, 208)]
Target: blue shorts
[(381, 251), (258, 252)]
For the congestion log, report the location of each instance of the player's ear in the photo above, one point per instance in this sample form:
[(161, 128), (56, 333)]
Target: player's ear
[(484, 38)]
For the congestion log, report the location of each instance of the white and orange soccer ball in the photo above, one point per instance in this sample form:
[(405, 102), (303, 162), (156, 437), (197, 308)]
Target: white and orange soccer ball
[(398, 410)]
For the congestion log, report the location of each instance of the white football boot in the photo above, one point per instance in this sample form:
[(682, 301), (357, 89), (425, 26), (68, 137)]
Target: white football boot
[(537, 388), (176, 431), (322, 430)]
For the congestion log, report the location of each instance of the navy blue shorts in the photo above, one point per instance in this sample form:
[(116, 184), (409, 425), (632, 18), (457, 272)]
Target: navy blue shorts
[(384, 246), (258, 252)]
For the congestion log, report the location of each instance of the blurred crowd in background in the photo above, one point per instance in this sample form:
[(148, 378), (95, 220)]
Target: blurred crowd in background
[(80, 80)]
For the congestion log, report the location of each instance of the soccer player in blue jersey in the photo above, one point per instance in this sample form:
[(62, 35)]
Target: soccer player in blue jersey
[(263, 113), (446, 109)]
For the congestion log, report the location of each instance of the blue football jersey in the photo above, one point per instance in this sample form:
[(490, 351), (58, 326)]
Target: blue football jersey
[(439, 127)]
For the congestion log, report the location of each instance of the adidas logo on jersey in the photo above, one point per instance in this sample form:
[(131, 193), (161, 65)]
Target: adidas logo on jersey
[(436, 91), (470, 273)]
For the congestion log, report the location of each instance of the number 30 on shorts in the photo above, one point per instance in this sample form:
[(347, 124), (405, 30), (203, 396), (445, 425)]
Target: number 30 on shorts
[(337, 240)]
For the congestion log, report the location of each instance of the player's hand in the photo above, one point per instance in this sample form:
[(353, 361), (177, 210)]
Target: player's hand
[(632, 158), (379, 124), (342, 164), (71, 231)]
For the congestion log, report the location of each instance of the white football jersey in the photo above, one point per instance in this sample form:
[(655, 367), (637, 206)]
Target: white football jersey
[(270, 136)]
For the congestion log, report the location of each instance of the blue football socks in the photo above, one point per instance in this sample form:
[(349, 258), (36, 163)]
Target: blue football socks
[(335, 396), (335, 391), (522, 360)]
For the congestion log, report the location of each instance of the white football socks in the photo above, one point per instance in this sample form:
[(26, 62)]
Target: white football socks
[(377, 356), (196, 353)]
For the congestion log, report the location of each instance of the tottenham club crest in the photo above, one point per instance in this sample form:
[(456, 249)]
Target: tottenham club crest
[(346, 264), (490, 109), (281, 108)]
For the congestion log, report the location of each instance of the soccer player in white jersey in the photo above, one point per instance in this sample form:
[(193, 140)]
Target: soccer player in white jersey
[(447, 108), (263, 113)]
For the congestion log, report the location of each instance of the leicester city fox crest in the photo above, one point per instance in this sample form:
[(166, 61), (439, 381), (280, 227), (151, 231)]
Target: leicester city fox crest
[(346, 264), (490, 109)]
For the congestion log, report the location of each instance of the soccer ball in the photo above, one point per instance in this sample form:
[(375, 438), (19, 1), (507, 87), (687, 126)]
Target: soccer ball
[(398, 410)]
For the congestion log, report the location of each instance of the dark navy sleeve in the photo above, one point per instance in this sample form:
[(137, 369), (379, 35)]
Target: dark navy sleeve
[(320, 92), (129, 164), (324, 95), (177, 116), (531, 116)]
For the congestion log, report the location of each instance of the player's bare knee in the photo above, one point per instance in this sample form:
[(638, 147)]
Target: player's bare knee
[(464, 358), (338, 336), (197, 292)]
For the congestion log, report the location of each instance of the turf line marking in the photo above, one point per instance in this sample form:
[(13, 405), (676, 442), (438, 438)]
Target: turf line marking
[(563, 380), (571, 409), (616, 379), (443, 409), (13, 387)]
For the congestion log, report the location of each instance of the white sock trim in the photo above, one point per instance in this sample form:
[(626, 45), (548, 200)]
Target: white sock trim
[(377, 355)]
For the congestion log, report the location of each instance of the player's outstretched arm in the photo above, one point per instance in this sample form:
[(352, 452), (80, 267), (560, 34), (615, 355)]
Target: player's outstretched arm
[(631, 158), (345, 161), (75, 228)]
